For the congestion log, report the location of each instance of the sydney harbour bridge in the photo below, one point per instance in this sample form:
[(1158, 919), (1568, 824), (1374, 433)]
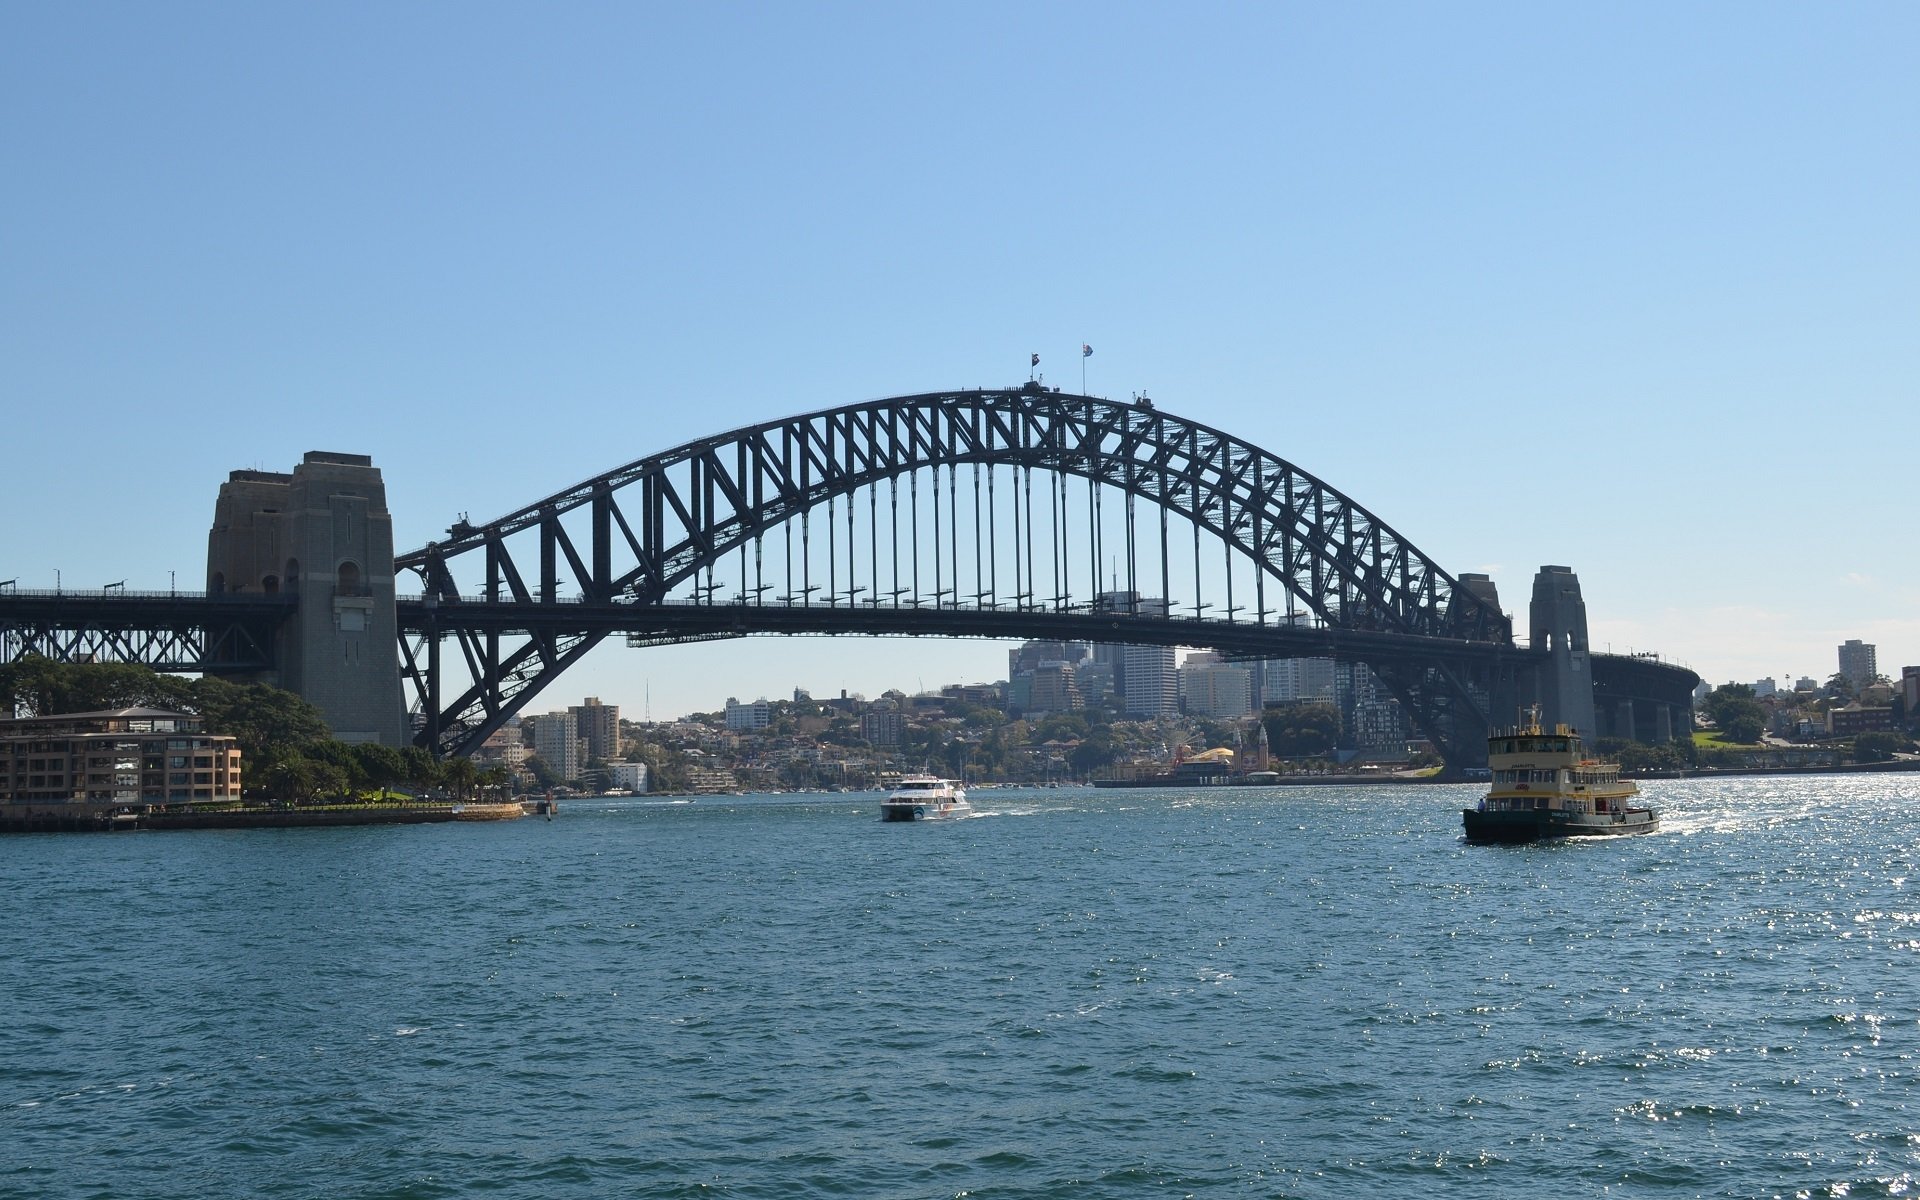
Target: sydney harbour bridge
[(1009, 514)]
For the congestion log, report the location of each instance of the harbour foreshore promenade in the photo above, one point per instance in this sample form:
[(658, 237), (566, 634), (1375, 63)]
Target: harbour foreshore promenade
[(95, 818)]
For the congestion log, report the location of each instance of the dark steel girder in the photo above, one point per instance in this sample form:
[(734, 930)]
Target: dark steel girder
[(168, 631), (667, 517)]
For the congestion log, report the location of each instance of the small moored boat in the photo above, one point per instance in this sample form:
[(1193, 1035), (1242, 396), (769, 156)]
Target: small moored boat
[(925, 798), (1544, 786)]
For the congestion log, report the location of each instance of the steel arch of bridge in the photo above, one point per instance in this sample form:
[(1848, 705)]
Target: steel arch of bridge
[(626, 541)]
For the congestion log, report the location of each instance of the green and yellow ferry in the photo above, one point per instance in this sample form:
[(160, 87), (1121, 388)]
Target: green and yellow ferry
[(1544, 786)]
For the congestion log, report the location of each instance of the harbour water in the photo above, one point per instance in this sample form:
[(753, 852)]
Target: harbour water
[(1236, 992)]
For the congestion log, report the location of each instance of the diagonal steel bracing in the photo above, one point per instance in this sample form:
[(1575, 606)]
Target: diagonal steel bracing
[(878, 512)]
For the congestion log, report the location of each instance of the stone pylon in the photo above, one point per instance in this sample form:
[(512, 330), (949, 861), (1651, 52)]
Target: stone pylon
[(323, 534), (1557, 622)]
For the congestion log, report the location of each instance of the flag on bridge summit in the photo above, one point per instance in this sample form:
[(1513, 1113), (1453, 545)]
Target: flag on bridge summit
[(1085, 350), (1036, 360)]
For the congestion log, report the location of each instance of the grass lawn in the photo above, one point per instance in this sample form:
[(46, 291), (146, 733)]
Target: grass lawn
[(1710, 739)]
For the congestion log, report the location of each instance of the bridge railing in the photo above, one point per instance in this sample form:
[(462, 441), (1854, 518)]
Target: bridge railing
[(1084, 608), (127, 594)]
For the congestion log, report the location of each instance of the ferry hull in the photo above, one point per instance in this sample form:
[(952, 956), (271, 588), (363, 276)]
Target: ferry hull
[(1540, 826), (922, 811)]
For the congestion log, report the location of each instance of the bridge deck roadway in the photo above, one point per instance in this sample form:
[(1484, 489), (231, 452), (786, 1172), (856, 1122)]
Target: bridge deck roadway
[(667, 623)]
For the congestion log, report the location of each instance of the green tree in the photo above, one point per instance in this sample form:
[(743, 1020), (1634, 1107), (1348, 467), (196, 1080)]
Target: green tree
[(1215, 734), (461, 776), (289, 777), (543, 773), (256, 716), (1721, 701), (41, 687), (343, 758), (1060, 727), (1878, 747), (423, 769), (1744, 722), (1092, 754), (330, 782), (1303, 729), (381, 766)]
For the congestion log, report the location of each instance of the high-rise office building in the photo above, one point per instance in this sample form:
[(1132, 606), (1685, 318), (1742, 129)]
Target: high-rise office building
[(1155, 690), (1153, 683), (1054, 689), (1285, 680), (1218, 690)]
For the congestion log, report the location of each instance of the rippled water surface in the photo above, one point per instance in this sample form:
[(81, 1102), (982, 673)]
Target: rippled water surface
[(1316, 992)]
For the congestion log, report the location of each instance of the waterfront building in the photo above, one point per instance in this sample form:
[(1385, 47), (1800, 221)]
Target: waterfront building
[(745, 718), (116, 756), (556, 741), (598, 725), (504, 747), (1910, 690), (1380, 728), (629, 775), (883, 724), (1858, 718), (1857, 662)]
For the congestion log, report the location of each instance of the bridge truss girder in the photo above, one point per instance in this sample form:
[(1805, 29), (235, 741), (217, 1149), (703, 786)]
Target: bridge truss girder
[(168, 631), (643, 534)]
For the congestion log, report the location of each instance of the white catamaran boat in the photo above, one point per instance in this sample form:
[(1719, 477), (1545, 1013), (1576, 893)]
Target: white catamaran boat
[(925, 798), (1544, 786)]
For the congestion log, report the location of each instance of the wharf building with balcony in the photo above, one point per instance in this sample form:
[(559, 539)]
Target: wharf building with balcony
[(116, 757)]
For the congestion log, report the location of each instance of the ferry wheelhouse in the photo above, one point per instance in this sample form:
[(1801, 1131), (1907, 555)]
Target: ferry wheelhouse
[(1544, 786), (925, 798)]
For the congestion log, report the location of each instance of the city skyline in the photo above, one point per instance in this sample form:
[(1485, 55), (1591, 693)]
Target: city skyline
[(1630, 291)]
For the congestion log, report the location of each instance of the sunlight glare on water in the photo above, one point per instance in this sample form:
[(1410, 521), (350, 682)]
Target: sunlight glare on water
[(1312, 992)]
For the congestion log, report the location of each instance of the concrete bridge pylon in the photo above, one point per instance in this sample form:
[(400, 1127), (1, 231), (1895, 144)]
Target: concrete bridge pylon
[(323, 533), (1557, 623)]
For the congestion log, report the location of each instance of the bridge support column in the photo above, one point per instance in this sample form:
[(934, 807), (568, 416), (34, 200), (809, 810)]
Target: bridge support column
[(1623, 720), (322, 532), (1663, 723), (1558, 624)]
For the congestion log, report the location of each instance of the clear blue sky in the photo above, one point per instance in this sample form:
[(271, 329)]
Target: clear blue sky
[(1629, 287)]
